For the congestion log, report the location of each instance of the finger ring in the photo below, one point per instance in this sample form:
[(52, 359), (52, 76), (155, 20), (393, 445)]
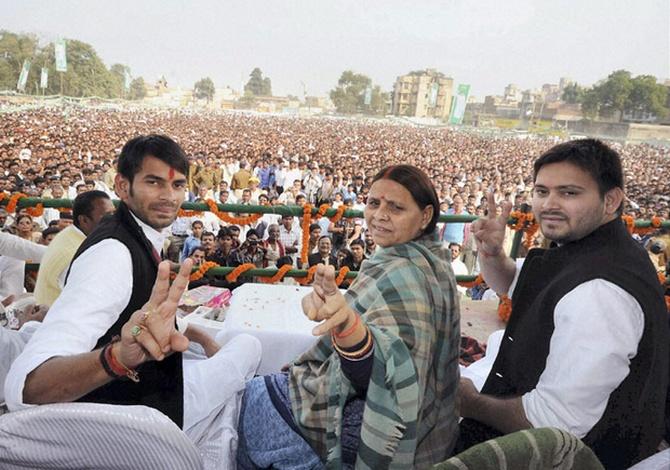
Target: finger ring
[(147, 314), (136, 330)]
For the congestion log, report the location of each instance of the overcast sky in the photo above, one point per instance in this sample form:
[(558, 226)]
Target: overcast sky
[(486, 43)]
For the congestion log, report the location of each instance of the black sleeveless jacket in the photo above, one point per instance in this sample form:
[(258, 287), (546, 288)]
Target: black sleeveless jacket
[(161, 383)]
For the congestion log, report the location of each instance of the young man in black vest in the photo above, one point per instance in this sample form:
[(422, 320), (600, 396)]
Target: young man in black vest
[(113, 337), (586, 346)]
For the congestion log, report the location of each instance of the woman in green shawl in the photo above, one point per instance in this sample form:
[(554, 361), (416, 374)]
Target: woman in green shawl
[(378, 389)]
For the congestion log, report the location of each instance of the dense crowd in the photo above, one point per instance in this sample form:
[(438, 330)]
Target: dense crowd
[(251, 159)]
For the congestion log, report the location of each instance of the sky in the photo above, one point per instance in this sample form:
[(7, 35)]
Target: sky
[(304, 45)]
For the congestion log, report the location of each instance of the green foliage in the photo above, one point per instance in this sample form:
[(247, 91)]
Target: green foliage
[(137, 90), (572, 93), (257, 84), (621, 93), (204, 89), (14, 49), (86, 73), (349, 95)]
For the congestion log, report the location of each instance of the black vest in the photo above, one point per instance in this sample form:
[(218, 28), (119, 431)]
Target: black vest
[(161, 383), (632, 426)]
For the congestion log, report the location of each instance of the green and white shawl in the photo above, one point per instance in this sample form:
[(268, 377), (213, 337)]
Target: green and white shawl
[(406, 294), (530, 449)]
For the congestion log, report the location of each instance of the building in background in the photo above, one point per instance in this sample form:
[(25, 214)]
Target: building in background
[(422, 94)]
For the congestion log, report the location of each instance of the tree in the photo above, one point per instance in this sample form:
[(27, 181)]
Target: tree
[(138, 89), (572, 93), (257, 84), (118, 73), (204, 88), (591, 103), (647, 96), (349, 95), (14, 49), (613, 93)]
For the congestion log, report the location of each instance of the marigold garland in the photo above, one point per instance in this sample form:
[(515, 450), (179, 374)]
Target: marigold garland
[(341, 275), (630, 223), (322, 210), (238, 271), (505, 308), (278, 276), (471, 284), (186, 213), (204, 267), (306, 222), (339, 214), (656, 222), (248, 220), (307, 279), (13, 202)]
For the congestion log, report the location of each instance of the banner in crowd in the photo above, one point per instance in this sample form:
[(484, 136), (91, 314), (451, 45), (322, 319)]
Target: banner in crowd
[(23, 77), (61, 56), (44, 78), (458, 104), (368, 96), (433, 94), (126, 80)]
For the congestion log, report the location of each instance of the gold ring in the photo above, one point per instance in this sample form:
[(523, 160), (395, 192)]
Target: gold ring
[(136, 330), (146, 314)]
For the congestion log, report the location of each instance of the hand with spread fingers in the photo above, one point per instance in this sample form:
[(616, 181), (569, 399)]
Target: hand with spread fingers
[(151, 334), (489, 232), (326, 302)]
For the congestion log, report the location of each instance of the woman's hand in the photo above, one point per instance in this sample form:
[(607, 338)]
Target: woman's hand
[(326, 302), (150, 334)]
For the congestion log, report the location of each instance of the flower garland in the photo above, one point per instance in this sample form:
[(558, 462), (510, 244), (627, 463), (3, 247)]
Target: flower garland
[(278, 276), (525, 221), (186, 213), (471, 284), (238, 271), (341, 275), (630, 223), (505, 308), (322, 210), (338, 215), (307, 279), (204, 267), (14, 201), (306, 222), (248, 220)]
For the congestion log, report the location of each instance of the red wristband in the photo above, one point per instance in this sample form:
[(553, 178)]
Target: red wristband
[(349, 331)]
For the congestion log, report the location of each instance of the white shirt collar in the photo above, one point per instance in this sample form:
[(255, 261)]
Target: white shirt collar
[(156, 238)]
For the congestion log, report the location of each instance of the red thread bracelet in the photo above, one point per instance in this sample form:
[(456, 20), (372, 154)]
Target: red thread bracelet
[(349, 331)]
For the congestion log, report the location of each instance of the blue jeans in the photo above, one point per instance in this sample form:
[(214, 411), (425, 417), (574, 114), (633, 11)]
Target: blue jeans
[(265, 439)]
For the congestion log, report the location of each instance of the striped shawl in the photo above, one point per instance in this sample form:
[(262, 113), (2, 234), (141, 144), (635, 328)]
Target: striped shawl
[(406, 294)]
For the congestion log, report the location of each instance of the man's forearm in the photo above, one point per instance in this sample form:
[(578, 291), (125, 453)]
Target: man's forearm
[(498, 271), (65, 379), (504, 414)]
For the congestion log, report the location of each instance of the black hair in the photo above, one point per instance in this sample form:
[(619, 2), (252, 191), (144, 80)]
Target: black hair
[(358, 242), (160, 146), (313, 227), (591, 155), (206, 234), (419, 186), (49, 231), (250, 232), (84, 204), (223, 232)]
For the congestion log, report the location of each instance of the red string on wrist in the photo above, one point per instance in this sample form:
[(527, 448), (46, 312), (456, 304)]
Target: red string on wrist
[(349, 331)]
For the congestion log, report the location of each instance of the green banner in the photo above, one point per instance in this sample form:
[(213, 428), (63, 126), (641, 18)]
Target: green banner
[(458, 104), (61, 56), (44, 78), (23, 77)]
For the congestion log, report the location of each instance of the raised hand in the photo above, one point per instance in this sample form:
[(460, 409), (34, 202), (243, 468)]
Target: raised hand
[(489, 232), (326, 302), (150, 333)]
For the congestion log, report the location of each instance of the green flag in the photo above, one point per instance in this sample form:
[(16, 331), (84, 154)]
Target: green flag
[(61, 56), (458, 104), (23, 77)]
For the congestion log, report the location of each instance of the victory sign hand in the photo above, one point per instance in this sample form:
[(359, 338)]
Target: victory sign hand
[(489, 232)]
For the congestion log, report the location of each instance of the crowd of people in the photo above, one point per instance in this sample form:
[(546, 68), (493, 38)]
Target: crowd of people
[(380, 388), (249, 159)]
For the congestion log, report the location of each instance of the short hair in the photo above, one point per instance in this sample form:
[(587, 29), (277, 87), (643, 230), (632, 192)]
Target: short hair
[(223, 232), (207, 234), (591, 155), (313, 227), (251, 232), (196, 248), (197, 222), (322, 237), (419, 186), (455, 244), (49, 231), (160, 146), (357, 242), (84, 204)]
